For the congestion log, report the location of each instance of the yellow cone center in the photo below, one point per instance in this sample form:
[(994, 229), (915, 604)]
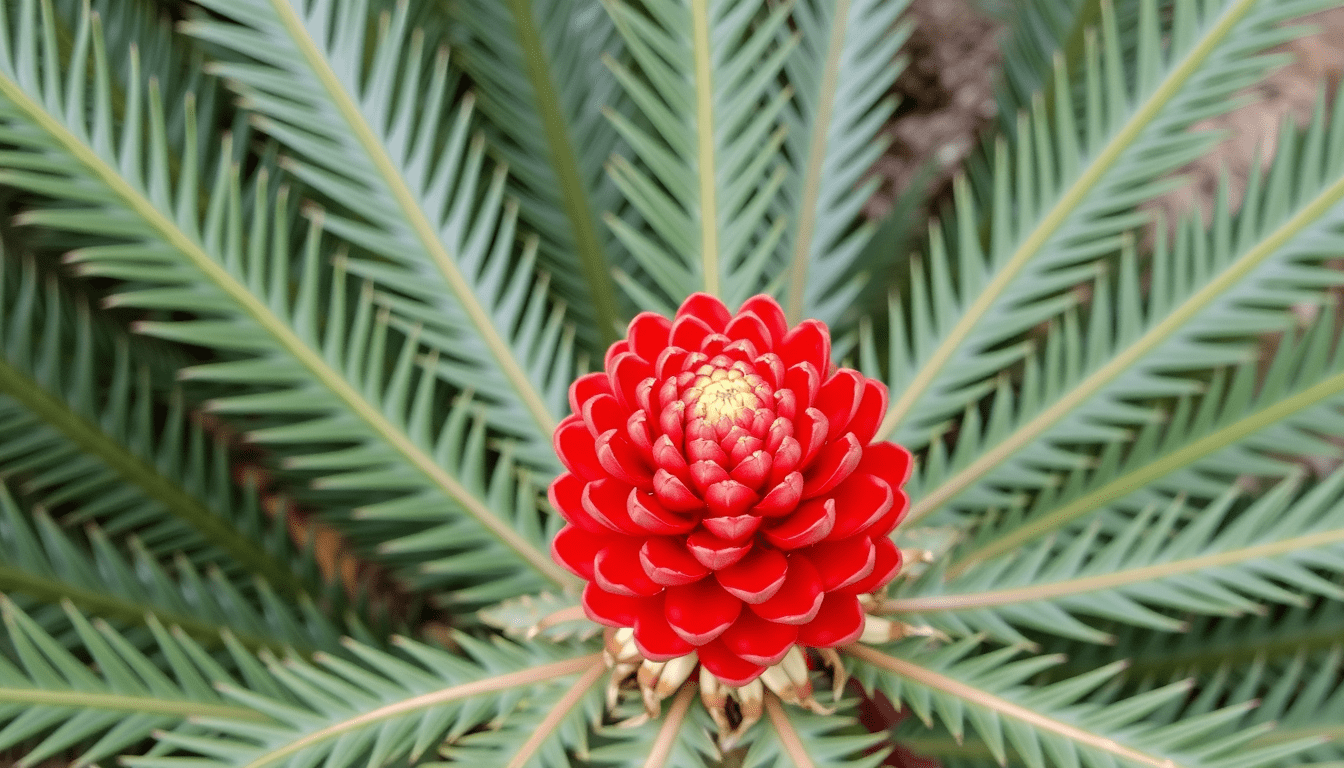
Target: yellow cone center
[(722, 393)]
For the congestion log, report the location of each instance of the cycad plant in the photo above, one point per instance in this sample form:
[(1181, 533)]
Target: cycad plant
[(518, 383)]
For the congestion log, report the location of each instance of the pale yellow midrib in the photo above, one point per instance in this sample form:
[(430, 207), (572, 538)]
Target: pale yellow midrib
[(661, 748), (416, 218), (788, 735), (1325, 732), (118, 702), (556, 714), (433, 698), (1123, 361), (1058, 213), (284, 335), (1161, 467), (807, 209), (1114, 580), (704, 132), (1004, 707)]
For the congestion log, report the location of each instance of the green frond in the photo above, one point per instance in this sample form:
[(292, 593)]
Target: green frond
[(1214, 642), (842, 72), (304, 359), (370, 137), (553, 616), (51, 700), (1291, 663), (1215, 292), (1062, 197), (385, 708), (680, 738), (42, 561), (1244, 424), (78, 433), (704, 78), (1038, 32), (1211, 559), (824, 741), (541, 83), (1070, 722)]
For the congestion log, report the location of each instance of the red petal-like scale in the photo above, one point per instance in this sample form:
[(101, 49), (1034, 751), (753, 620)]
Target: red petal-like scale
[(670, 362), (783, 498), (758, 641), (621, 460), (602, 414), (699, 429), (674, 494), (666, 561), (811, 429), (617, 569), (705, 450), (770, 313), (648, 334), (713, 552), (637, 429), (810, 342), (839, 621), (732, 527), (671, 421), (771, 368), (650, 515), (707, 308), (576, 449), (741, 349), (727, 666), (798, 601), (742, 446), (605, 501), (735, 435), (748, 327), (839, 398), (615, 350), (884, 570), (566, 497), (761, 420), (833, 464), (780, 429), (888, 522), (626, 372), (805, 381), (646, 395), (654, 636), (729, 497), (701, 611), (888, 461), (577, 549), (612, 610), (860, 502), (871, 409), (707, 473), (757, 577), (667, 456), (754, 470), (586, 387), (690, 332), (809, 524), (713, 345), (842, 563)]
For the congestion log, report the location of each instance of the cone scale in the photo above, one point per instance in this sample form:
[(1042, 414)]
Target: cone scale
[(724, 496)]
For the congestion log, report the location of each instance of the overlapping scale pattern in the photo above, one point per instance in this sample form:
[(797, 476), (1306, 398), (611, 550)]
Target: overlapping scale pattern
[(723, 496)]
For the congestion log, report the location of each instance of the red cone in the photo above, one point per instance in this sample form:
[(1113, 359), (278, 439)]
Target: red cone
[(723, 494)]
